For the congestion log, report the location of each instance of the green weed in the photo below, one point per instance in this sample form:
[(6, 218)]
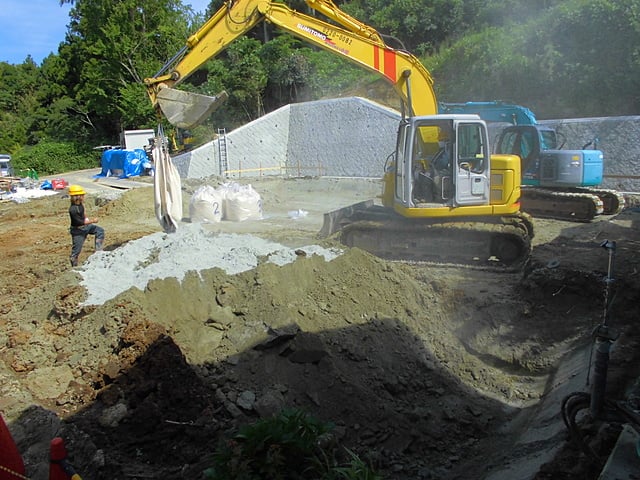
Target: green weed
[(289, 446)]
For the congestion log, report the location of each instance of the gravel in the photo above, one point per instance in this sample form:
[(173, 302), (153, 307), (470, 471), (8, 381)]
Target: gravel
[(160, 255)]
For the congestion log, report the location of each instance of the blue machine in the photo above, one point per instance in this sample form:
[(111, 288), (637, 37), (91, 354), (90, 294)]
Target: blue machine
[(559, 183), (495, 111), (544, 164)]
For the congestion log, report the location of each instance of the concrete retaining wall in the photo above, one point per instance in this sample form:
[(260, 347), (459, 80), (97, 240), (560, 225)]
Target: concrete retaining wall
[(352, 137), (257, 148), (340, 137)]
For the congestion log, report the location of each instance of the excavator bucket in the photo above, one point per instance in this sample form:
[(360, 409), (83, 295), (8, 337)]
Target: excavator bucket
[(185, 109), (333, 221)]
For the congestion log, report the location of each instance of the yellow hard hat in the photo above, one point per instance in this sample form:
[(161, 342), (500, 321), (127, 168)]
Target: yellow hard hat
[(76, 190)]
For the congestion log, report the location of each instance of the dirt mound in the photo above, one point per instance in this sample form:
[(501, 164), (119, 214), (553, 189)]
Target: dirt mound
[(426, 372)]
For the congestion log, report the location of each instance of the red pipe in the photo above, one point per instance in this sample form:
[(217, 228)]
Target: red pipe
[(57, 453), (59, 467), (11, 464)]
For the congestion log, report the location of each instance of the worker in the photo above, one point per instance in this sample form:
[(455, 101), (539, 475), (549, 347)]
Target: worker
[(423, 187), (441, 166), (81, 225), (442, 159)]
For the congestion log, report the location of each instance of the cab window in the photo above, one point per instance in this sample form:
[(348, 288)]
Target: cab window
[(471, 147)]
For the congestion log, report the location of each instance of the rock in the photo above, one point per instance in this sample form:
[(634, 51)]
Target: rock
[(68, 302), (49, 382), (269, 403), (112, 416), (305, 348), (246, 400), (278, 336), (307, 356), (234, 411)]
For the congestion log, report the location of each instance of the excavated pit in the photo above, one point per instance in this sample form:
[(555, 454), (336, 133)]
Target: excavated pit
[(427, 372)]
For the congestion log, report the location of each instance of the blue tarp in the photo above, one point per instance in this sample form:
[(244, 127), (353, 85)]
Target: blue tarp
[(123, 163)]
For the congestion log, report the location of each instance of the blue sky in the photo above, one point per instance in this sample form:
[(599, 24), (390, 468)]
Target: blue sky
[(37, 27)]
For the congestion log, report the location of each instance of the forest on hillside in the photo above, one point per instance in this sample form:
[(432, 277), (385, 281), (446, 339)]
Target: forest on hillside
[(560, 58)]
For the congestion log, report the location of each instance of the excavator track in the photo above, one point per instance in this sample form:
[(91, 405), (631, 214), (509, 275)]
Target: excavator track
[(493, 243), (612, 201), (575, 206)]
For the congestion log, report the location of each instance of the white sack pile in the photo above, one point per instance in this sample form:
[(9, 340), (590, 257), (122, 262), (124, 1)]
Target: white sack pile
[(230, 201)]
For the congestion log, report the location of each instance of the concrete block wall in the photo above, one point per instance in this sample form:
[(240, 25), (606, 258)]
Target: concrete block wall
[(353, 137), (257, 148), (198, 163), (349, 137), (260, 147)]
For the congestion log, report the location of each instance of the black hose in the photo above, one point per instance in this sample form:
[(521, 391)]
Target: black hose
[(569, 401), (571, 406)]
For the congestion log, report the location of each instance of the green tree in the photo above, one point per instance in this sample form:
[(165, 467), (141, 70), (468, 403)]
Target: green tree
[(598, 43), (288, 70), (62, 121), (18, 104), (247, 76), (419, 26), (110, 48), (51, 157), (580, 58)]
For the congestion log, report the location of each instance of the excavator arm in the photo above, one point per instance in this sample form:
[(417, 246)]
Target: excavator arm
[(348, 38)]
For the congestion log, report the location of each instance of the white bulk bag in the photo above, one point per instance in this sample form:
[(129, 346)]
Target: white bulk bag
[(167, 187), (206, 205), (242, 202)]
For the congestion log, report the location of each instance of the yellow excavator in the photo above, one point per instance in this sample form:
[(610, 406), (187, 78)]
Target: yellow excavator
[(445, 198)]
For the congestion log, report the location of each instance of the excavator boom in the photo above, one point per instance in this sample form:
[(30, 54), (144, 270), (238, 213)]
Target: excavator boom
[(348, 38)]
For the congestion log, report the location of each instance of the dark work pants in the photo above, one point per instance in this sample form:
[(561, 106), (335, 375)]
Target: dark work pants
[(79, 235)]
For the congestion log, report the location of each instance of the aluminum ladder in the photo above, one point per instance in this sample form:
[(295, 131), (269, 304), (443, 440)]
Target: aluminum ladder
[(222, 151)]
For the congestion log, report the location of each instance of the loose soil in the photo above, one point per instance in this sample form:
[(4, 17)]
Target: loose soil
[(427, 372)]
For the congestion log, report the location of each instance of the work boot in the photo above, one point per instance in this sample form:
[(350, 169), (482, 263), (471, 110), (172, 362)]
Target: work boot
[(74, 261), (98, 245)]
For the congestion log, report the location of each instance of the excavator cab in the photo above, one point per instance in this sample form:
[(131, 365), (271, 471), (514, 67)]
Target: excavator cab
[(528, 142), (442, 166)]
